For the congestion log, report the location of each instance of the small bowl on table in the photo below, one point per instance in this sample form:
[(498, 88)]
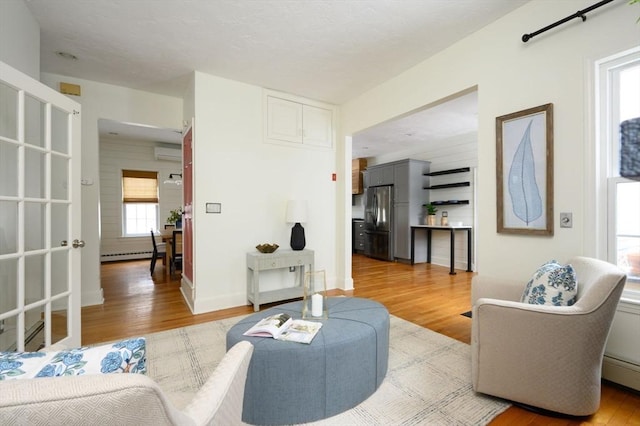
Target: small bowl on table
[(267, 248)]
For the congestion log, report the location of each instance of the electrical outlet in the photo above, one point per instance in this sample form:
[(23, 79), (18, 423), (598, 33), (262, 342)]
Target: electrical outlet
[(566, 220)]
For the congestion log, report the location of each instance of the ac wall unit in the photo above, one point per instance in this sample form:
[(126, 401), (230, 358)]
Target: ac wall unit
[(168, 154)]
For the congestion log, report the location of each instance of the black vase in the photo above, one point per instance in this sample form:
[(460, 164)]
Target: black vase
[(297, 237)]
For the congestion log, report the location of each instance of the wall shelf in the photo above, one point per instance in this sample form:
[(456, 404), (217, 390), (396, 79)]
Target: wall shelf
[(448, 172), (449, 185), (449, 202)]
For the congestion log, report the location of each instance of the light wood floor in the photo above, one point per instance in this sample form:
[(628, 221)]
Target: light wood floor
[(137, 303)]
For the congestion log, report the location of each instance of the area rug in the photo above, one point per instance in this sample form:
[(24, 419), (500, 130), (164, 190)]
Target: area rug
[(428, 381)]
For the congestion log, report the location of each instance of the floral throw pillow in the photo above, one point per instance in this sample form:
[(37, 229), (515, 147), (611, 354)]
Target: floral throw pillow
[(552, 284), (127, 356)]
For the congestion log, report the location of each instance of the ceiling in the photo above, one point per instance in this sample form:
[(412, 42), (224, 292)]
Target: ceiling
[(328, 50), (424, 129)]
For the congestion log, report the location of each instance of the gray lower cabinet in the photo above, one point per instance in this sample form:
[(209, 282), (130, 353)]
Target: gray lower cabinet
[(401, 240), (358, 236)]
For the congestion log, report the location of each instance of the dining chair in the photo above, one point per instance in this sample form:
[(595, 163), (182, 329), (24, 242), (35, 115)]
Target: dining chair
[(176, 252), (159, 252)]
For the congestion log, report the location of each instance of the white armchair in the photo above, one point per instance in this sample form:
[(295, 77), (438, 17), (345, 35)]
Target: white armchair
[(548, 357), (126, 399)]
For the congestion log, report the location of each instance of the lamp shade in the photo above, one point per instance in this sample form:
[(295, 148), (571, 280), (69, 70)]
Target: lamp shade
[(296, 211)]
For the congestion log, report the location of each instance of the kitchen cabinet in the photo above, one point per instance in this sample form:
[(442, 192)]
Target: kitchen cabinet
[(379, 175), (409, 196), (358, 165), (298, 121), (358, 236), (409, 181)]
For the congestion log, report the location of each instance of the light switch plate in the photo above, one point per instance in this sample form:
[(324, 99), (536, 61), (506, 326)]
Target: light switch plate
[(214, 207), (566, 220)]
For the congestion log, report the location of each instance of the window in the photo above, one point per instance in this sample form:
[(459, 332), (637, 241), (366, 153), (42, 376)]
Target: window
[(139, 202), (618, 80)]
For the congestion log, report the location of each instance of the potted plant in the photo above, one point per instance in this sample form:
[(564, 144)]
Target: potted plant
[(431, 214), (175, 217)]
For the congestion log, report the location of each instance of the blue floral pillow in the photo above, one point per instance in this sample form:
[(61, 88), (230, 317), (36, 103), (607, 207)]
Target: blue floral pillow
[(127, 356), (552, 284)]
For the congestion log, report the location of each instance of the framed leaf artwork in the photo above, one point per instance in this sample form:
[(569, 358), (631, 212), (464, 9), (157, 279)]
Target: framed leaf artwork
[(524, 171)]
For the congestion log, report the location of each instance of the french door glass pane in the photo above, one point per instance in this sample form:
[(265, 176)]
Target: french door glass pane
[(8, 169), (34, 216), (8, 112), (59, 177), (59, 131), (59, 319), (34, 121), (34, 329), (34, 179), (8, 285), (9, 335), (34, 278), (59, 224), (59, 272), (8, 227)]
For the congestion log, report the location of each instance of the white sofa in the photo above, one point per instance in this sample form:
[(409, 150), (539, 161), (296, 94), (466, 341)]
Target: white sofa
[(126, 399), (548, 357)]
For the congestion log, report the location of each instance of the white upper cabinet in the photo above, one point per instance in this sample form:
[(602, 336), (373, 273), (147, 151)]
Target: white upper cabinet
[(317, 126), (284, 120), (295, 120)]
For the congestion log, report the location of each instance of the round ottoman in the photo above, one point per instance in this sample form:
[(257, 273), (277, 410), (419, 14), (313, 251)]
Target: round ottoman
[(345, 363)]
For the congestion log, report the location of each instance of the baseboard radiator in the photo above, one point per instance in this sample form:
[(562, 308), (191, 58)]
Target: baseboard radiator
[(114, 257)]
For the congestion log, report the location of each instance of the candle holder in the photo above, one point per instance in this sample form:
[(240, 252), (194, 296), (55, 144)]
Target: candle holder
[(314, 302)]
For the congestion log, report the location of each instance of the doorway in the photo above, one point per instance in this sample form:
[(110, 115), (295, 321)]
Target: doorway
[(445, 135)]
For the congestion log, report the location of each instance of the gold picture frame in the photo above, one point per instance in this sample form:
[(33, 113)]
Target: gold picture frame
[(524, 171)]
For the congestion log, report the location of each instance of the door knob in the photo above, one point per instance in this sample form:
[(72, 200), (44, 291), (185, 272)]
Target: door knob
[(78, 243)]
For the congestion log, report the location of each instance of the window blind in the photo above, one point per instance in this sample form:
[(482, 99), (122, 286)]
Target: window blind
[(139, 186)]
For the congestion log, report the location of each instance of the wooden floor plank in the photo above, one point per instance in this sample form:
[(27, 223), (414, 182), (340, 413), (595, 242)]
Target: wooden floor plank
[(137, 303)]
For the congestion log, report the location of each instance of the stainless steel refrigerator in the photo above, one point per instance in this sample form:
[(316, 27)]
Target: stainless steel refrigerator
[(378, 222)]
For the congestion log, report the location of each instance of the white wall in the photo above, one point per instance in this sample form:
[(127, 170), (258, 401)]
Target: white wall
[(512, 76), (98, 101), (253, 181), (117, 155), (19, 38)]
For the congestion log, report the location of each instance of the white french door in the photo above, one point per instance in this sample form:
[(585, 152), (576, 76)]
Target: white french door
[(39, 214)]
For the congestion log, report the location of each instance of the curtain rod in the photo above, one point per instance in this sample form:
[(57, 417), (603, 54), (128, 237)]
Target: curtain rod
[(578, 14)]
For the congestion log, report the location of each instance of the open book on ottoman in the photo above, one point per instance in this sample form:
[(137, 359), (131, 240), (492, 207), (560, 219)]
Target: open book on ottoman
[(282, 327)]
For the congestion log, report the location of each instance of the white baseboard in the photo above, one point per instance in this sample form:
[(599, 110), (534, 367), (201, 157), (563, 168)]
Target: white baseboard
[(203, 305), (621, 372), (186, 288)]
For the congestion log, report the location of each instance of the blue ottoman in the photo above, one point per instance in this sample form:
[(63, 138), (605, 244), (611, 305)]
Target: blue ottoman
[(345, 363)]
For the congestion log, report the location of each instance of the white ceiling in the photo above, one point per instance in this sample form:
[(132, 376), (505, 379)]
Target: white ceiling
[(328, 50), (424, 129)]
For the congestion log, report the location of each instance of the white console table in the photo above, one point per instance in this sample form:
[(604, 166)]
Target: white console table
[(257, 262)]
